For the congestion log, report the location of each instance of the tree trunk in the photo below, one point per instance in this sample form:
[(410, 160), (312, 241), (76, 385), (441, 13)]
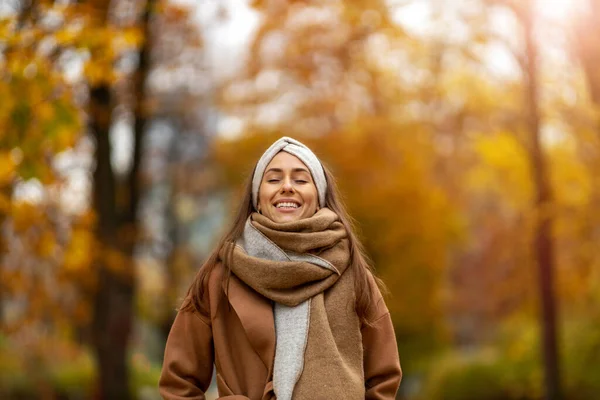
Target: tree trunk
[(543, 242), (6, 194), (116, 232), (112, 306)]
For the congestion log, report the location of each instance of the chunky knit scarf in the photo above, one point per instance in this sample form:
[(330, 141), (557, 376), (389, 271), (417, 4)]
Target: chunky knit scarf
[(292, 264)]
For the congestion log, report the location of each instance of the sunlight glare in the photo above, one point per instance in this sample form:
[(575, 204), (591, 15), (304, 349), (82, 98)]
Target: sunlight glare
[(557, 10)]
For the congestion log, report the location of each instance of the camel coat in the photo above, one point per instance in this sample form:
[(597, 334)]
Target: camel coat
[(239, 338)]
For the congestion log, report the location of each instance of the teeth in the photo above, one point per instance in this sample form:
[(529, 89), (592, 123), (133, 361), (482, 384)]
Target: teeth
[(293, 205)]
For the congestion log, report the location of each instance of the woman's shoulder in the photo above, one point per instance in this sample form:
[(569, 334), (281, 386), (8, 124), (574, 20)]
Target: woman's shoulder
[(374, 281), (377, 307), (204, 290), (215, 276)]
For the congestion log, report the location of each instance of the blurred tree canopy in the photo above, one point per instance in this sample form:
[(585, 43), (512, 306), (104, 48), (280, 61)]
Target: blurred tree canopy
[(462, 134), (71, 72)]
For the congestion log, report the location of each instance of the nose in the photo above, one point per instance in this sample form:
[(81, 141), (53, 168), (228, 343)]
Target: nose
[(287, 185)]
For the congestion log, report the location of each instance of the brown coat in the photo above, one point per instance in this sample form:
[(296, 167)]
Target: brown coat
[(239, 338)]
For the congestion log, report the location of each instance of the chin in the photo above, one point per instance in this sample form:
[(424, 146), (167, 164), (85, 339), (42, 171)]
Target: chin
[(281, 217)]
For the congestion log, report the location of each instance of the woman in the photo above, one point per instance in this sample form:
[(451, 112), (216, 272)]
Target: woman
[(286, 306)]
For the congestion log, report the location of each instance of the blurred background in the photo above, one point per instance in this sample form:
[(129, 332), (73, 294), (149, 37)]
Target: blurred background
[(465, 136)]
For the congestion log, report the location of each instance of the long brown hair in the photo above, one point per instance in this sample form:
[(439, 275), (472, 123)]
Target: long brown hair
[(359, 261)]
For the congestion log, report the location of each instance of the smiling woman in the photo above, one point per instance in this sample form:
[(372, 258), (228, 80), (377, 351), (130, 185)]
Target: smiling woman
[(286, 307), (287, 192)]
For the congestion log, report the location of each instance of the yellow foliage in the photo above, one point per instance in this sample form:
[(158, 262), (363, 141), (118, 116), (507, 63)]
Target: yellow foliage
[(47, 244), (570, 179), (99, 72), (116, 261), (87, 220), (79, 252), (82, 313), (5, 202), (25, 215), (133, 37), (7, 168), (503, 170), (45, 111), (66, 36)]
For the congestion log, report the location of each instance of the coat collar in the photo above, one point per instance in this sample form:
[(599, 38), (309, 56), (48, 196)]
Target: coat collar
[(256, 315)]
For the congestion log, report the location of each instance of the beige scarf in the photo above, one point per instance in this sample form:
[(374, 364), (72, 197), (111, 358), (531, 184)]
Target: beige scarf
[(293, 264)]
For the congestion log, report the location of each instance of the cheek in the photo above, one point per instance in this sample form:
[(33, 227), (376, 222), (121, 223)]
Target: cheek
[(261, 195), (311, 196), (265, 194)]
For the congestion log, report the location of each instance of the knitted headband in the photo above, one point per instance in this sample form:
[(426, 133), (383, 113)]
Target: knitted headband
[(299, 150)]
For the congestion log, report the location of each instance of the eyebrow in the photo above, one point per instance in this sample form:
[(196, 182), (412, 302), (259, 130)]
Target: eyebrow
[(280, 170)]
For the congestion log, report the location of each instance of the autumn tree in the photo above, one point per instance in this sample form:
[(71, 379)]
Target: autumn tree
[(116, 206), (544, 244), (45, 44), (39, 118)]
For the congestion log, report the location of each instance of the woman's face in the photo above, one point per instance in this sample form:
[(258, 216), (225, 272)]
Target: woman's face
[(287, 191)]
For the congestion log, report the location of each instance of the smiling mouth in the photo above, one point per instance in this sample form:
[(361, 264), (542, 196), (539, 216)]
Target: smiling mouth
[(287, 206)]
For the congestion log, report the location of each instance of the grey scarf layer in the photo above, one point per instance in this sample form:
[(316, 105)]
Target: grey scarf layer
[(291, 323)]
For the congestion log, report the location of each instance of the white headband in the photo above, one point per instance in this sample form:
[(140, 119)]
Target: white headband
[(299, 150)]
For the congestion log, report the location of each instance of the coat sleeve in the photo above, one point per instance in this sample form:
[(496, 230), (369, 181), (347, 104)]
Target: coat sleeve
[(189, 356), (381, 361)]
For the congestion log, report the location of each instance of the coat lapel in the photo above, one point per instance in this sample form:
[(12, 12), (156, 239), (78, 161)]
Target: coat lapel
[(256, 315)]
